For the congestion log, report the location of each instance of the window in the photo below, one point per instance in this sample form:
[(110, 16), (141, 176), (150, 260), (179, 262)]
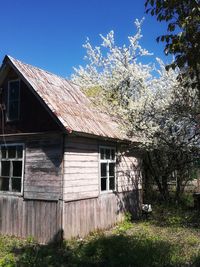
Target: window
[(13, 100), (11, 167), (107, 168)]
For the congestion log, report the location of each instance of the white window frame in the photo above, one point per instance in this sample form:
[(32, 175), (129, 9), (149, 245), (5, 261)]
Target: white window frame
[(23, 165), (8, 102), (107, 170)]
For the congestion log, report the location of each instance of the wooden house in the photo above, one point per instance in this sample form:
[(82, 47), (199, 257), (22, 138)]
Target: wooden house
[(65, 168)]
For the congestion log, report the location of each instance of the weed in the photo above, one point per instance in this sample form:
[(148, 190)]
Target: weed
[(124, 226), (8, 261)]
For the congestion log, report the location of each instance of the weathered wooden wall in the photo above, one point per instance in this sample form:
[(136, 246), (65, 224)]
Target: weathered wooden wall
[(81, 168), (128, 170), (85, 207), (43, 165), (84, 216), (38, 211), (75, 196), (24, 218), (43, 168)]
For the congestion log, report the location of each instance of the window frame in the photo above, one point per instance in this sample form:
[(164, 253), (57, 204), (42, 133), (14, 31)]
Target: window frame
[(8, 101), (107, 170), (23, 166)]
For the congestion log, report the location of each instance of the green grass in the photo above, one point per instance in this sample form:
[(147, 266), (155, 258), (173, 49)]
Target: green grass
[(170, 237)]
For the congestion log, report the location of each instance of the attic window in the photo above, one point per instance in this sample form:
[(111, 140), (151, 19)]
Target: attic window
[(13, 102), (11, 167)]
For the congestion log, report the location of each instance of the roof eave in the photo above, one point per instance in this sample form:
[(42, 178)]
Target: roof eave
[(105, 138)]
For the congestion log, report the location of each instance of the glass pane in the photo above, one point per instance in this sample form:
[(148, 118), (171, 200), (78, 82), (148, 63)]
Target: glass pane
[(16, 184), (5, 168), (103, 184), (4, 184), (102, 152), (3, 152), (103, 169), (112, 154), (13, 110), (11, 152), (19, 152), (112, 169), (17, 168), (112, 183), (107, 153), (14, 91)]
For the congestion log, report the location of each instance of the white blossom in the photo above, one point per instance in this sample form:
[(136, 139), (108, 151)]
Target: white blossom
[(128, 89)]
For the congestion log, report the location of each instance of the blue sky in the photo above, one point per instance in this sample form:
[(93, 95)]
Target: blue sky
[(50, 33)]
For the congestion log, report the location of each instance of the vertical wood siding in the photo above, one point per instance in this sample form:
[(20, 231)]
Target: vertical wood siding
[(84, 216), (23, 218)]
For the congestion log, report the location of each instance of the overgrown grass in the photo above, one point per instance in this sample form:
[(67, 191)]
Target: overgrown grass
[(170, 237)]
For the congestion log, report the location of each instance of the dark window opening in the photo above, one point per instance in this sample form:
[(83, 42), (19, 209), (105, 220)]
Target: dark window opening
[(11, 166), (13, 100)]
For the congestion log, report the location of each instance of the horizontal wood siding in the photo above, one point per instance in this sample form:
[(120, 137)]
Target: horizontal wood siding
[(84, 216), (128, 170), (81, 168), (43, 165), (24, 218)]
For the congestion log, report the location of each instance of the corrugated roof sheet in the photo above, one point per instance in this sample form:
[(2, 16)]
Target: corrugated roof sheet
[(72, 108)]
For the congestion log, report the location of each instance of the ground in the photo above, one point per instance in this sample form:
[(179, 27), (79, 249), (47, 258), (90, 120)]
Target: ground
[(170, 237)]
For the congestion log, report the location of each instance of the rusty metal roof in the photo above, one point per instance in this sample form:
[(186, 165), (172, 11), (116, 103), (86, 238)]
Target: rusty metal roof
[(67, 102)]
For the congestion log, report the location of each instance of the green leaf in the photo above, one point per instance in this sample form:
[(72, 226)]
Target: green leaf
[(162, 38), (158, 39)]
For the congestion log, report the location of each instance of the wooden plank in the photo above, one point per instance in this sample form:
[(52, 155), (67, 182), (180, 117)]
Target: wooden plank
[(42, 182), (81, 182), (83, 195), (77, 155), (40, 219), (41, 195), (81, 176), (40, 152), (81, 188), (81, 156), (82, 170), (43, 166), (92, 214), (42, 189), (81, 164)]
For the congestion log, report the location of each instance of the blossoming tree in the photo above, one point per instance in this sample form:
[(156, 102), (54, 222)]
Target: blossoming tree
[(148, 105)]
